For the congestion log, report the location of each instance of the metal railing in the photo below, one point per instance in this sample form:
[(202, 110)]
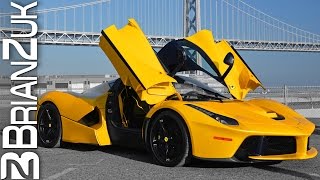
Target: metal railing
[(297, 97)]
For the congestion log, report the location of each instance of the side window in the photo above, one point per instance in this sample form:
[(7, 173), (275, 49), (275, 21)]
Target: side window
[(195, 56)]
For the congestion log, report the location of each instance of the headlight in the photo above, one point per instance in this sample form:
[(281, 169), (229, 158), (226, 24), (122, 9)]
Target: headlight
[(220, 118)]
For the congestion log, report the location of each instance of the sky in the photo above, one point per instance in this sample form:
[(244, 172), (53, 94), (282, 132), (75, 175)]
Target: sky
[(272, 68)]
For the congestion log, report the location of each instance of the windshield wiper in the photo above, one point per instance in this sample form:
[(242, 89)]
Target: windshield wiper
[(200, 95), (216, 94)]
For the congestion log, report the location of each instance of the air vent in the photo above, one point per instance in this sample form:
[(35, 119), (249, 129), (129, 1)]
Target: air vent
[(275, 115), (91, 119), (279, 117)]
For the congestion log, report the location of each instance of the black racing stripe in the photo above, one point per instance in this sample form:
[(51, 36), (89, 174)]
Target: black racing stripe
[(122, 59)]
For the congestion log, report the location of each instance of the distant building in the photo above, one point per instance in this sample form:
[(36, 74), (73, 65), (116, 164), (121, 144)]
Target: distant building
[(80, 83), (76, 83)]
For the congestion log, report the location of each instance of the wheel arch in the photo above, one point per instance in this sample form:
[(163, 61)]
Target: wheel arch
[(72, 130), (151, 116)]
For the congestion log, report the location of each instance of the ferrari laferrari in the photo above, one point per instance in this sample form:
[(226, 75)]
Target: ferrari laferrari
[(157, 104)]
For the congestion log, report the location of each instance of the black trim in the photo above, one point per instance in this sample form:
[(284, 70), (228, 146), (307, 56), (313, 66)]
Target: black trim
[(244, 63), (91, 118), (227, 72), (167, 58), (122, 59), (228, 160), (223, 119), (205, 56), (233, 159), (266, 145), (185, 42)]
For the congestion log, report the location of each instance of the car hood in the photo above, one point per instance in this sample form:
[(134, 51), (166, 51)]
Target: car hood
[(254, 112)]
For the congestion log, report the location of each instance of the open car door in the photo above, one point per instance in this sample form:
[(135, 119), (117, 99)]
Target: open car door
[(228, 64), (136, 62)]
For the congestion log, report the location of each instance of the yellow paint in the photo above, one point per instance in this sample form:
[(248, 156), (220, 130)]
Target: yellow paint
[(155, 85), (253, 121), (68, 105), (306, 155), (254, 116), (166, 139), (240, 79), (77, 133), (72, 109)]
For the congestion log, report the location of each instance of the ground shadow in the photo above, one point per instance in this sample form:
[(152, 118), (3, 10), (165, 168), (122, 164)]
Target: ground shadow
[(79, 147), (143, 156), (285, 171), (198, 163), (130, 153)]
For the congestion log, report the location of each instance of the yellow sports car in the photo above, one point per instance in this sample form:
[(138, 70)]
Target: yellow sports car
[(156, 106)]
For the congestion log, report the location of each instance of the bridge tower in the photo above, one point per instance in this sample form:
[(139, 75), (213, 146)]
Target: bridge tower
[(192, 21), (191, 17)]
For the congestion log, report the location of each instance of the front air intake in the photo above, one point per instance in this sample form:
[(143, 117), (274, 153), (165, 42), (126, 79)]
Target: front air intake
[(266, 145)]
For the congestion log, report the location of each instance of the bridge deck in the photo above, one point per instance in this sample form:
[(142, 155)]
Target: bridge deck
[(52, 37)]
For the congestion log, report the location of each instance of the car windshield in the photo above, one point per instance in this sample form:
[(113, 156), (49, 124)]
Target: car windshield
[(197, 76), (191, 88)]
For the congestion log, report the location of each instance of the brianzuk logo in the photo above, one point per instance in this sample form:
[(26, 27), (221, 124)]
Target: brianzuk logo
[(27, 165)]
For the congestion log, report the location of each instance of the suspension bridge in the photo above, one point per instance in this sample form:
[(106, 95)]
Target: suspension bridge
[(244, 26)]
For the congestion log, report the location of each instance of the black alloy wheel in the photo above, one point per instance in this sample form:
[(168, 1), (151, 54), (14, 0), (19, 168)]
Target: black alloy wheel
[(169, 140), (49, 126)]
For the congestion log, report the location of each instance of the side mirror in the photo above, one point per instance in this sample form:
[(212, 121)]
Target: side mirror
[(229, 59)]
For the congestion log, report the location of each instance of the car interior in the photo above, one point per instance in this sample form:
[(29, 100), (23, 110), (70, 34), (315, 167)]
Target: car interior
[(124, 107)]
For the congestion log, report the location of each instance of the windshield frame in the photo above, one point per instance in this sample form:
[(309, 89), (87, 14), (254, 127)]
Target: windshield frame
[(184, 42), (198, 84)]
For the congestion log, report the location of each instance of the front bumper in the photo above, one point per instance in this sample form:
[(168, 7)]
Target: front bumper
[(284, 145), (275, 148), (295, 156)]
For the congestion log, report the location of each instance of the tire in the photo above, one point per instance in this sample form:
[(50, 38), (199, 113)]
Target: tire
[(169, 140), (49, 126)]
